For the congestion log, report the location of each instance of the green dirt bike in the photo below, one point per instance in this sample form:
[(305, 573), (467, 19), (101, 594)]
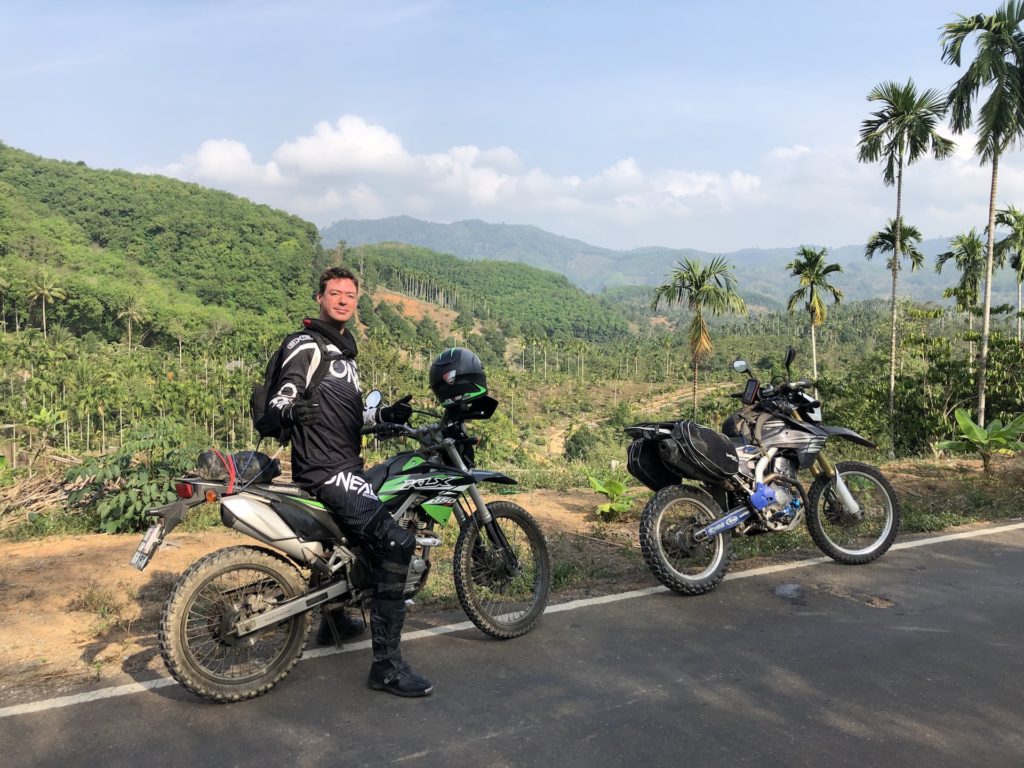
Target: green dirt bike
[(237, 620)]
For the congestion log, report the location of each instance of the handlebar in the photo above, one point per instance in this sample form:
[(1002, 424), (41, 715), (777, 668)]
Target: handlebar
[(430, 435), (388, 429), (796, 386)]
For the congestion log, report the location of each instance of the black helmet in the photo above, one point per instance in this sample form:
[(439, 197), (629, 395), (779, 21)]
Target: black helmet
[(457, 375)]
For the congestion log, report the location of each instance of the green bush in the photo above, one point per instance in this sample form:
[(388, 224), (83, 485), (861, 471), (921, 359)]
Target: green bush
[(120, 487)]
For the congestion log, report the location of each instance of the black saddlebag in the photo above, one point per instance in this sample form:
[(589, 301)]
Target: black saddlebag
[(643, 460), (699, 453)]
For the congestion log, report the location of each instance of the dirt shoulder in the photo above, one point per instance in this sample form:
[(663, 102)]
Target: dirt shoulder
[(74, 613)]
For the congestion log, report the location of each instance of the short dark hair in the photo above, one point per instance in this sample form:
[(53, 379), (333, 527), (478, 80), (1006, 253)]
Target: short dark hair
[(336, 273)]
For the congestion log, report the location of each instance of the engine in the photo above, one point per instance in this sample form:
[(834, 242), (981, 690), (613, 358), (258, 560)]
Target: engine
[(779, 502)]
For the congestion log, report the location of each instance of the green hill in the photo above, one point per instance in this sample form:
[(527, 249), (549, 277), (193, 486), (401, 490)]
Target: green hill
[(187, 258), (189, 263), (521, 300)]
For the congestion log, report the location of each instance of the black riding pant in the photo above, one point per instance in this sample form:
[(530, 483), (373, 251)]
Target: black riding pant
[(359, 513)]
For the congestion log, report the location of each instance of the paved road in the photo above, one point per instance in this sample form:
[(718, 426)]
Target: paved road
[(915, 660)]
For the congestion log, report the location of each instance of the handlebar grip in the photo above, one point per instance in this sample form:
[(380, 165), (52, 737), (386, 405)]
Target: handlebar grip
[(388, 429)]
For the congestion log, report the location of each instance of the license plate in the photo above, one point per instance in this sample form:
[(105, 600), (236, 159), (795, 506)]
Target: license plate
[(147, 546)]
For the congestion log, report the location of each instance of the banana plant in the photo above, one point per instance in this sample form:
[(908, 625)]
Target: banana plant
[(618, 502), (985, 441)]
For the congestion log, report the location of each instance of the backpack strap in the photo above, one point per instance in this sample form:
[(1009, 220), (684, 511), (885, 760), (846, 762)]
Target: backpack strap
[(322, 368), (760, 420)]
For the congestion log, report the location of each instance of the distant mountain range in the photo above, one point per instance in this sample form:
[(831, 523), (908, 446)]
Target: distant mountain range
[(761, 272)]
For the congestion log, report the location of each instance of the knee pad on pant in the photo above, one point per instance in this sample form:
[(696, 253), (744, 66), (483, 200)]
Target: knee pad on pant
[(390, 541), (399, 544)]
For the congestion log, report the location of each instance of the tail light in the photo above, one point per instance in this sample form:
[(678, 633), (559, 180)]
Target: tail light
[(184, 490)]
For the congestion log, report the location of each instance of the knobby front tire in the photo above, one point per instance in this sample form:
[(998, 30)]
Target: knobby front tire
[(500, 603), (849, 540)]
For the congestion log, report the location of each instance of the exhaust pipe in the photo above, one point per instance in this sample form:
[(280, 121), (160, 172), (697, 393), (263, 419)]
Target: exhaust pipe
[(255, 518)]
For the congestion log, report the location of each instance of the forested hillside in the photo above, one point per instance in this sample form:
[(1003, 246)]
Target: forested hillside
[(520, 300), (119, 245)]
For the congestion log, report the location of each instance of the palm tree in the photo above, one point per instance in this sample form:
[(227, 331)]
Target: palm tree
[(900, 133), (967, 251), (710, 288), (45, 291), (5, 287), (133, 311), (813, 272), (1012, 247), (898, 241), (998, 67)]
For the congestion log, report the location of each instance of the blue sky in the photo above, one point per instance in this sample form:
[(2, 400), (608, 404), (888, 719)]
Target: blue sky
[(713, 125)]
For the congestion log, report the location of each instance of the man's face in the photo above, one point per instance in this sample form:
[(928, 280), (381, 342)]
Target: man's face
[(338, 301)]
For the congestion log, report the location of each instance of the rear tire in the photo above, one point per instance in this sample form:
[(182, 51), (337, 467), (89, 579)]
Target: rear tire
[(667, 525), (501, 604), (212, 595), (847, 540)]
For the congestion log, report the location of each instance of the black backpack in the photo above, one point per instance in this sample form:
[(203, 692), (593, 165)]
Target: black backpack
[(263, 393)]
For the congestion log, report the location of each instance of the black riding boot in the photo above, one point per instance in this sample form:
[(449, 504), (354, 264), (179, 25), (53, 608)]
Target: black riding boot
[(345, 625), (389, 672)]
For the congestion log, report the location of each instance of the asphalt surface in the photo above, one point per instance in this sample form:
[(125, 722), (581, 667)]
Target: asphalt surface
[(915, 660)]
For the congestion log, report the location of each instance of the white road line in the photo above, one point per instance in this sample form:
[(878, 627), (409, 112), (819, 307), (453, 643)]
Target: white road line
[(162, 682)]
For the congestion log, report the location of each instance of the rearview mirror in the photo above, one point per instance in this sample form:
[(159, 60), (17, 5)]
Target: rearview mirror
[(740, 366), (790, 357), (373, 399)]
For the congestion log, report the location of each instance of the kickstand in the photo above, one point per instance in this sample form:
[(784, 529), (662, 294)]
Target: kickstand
[(326, 612)]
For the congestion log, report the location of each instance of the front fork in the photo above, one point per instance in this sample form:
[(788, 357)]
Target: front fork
[(823, 466), (482, 517)]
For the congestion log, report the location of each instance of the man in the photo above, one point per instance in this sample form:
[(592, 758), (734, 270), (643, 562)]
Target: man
[(326, 443)]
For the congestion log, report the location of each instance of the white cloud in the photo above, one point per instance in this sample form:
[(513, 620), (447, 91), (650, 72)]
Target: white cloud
[(789, 153), (792, 195), (227, 162), (348, 146)]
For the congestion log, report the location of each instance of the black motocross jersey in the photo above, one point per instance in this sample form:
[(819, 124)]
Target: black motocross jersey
[(333, 445)]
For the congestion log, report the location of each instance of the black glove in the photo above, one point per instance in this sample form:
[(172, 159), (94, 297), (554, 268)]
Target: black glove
[(303, 412), (398, 413)]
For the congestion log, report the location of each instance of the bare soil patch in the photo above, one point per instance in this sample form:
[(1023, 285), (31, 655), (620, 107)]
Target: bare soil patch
[(416, 310)]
